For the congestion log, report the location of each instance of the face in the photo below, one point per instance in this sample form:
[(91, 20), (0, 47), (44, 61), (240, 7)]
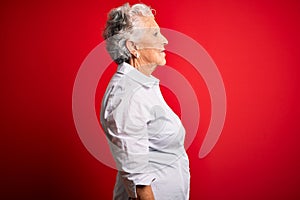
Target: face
[(150, 43)]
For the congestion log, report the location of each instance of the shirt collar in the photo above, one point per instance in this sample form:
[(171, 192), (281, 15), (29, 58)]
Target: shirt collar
[(133, 73)]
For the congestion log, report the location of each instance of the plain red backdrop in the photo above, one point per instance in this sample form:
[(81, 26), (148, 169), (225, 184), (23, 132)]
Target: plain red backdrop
[(255, 45)]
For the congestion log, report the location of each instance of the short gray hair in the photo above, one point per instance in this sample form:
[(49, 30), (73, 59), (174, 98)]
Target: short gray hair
[(119, 27)]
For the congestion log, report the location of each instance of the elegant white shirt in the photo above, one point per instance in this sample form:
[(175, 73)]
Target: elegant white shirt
[(145, 136)]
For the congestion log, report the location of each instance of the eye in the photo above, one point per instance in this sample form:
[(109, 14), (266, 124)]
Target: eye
[(155, 34)]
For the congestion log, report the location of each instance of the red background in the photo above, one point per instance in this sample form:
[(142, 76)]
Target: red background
[(255, 45)]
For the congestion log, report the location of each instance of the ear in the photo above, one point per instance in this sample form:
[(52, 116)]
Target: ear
[(131, 47)]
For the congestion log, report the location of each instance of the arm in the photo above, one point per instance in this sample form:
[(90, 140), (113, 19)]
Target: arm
[(144, 192), (128, 140)]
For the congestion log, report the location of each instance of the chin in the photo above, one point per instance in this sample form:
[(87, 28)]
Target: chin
[(162, 62)]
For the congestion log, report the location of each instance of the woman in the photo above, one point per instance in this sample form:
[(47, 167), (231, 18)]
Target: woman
[(145, 136)]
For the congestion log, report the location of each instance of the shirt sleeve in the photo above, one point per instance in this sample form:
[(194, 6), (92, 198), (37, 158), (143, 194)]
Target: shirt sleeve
[(129, 143)]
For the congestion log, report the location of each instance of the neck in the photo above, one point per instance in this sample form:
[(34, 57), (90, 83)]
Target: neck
[(145, 68)]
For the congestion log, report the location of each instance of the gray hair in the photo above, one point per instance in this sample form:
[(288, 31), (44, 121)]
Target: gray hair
[(119, 28)]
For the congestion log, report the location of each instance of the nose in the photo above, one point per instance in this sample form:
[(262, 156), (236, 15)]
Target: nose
[(164, 39)]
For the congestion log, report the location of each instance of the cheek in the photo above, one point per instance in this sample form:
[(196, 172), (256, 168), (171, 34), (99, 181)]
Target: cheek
[(149, 54), (150, 42), (153, 56), (156, 56)]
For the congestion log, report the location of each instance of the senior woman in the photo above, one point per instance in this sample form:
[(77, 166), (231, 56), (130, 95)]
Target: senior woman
[(145, 136)]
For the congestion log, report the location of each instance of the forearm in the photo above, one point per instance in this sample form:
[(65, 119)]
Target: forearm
[(144, 192)]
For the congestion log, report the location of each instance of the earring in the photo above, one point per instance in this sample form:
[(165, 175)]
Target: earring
[(137, 55)]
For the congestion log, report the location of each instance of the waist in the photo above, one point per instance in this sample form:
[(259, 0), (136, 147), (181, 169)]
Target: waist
[(159, 158)]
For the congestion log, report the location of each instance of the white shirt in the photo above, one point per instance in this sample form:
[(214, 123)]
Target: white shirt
[(145, 137)]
